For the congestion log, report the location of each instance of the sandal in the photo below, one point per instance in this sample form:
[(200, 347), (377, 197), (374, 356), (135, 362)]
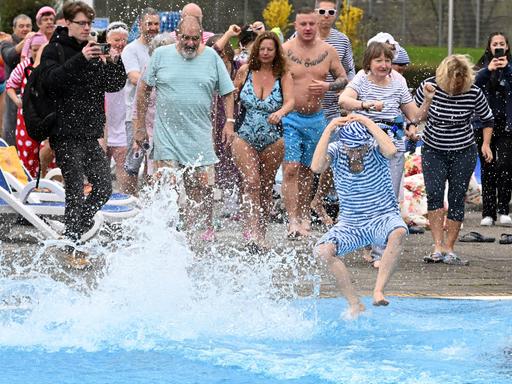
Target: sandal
[(452, 259), (475, 237), (506, 238), (434, 257)]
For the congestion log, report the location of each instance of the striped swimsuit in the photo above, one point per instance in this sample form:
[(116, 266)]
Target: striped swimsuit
[(368, 206)]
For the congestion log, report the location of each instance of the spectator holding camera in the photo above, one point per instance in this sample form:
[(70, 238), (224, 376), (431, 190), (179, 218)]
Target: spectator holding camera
[(495, 79), (78, 74)]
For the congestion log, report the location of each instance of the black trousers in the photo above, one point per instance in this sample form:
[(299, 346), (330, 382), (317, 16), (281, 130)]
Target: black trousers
[(79, 158), (496, 176)]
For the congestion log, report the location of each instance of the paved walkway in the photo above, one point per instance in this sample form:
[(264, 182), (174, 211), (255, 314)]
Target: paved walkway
[(489, 272)]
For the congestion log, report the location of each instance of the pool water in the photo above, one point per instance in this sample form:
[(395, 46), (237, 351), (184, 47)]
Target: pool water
[(158, 315), (412, 341)]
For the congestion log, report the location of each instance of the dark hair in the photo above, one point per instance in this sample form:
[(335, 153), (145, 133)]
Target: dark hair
[(247, 35), (279, 62), (72, 8), (228, 49), (375, 50), (305, 11), (486, 58)]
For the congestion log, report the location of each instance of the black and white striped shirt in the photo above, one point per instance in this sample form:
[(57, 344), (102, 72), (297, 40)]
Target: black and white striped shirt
[(448, 125), (341, 43)]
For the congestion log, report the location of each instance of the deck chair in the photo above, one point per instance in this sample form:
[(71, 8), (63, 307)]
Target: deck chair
[(55, 191), (10, 204)]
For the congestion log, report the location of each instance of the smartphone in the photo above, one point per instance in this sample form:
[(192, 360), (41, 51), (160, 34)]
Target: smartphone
[(105, 48), (499, 52)]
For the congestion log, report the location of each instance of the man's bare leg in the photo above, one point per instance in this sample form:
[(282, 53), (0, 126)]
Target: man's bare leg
[(304, 198), (388, 265), (326, 254), (200, 196), (290, 191)]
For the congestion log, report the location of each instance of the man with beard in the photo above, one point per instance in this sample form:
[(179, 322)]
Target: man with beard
[(186, 76), (135, 57), (45, 20)]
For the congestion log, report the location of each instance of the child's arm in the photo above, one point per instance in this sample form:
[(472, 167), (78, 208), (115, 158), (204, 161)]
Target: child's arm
[(386, 146), (321, 159)]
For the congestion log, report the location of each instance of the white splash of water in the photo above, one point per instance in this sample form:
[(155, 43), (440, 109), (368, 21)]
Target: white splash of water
[(154, 291)]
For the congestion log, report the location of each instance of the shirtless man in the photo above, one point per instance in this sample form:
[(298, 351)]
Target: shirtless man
[(310, 60)]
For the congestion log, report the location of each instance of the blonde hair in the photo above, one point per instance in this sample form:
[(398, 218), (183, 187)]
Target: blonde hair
[(451, 68)]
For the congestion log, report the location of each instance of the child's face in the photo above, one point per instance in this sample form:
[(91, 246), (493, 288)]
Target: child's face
[(356, 157)]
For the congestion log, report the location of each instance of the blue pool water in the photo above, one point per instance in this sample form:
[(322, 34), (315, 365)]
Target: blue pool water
[(157, 314), (412, 341)]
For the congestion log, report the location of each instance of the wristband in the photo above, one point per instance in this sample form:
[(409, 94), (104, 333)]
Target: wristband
[(230, 120)]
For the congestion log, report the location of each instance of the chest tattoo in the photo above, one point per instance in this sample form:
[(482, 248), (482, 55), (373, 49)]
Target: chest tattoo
[(307, 62)]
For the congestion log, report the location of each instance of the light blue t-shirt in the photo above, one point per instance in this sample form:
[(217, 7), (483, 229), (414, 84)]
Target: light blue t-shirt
[(184, 93)]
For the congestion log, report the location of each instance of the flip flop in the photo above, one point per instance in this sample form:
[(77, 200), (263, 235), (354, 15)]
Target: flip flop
[(506, 238), (381, 303), (475, 237)]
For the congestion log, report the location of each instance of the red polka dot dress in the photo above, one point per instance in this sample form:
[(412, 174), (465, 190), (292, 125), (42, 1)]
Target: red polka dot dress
[(28, 149)]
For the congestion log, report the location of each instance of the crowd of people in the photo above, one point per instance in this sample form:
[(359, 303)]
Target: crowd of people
[(229, 116)]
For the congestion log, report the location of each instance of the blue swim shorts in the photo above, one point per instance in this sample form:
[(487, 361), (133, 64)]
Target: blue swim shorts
[(301, 135), (375, 231)]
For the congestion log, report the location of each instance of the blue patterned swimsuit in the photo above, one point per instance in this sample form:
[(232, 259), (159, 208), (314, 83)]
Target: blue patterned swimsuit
[(255, 129)]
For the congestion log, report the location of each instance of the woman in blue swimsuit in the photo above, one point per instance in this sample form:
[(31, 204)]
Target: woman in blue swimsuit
[(266, 92)]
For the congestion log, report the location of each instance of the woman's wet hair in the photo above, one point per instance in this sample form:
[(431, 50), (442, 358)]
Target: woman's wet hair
[(279, 62), (455, 74), (375, 50)]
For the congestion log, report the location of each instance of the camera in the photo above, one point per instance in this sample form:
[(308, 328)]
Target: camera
[(105, 48), (499, 52)]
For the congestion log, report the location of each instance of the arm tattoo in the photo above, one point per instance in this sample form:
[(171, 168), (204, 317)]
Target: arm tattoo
[(338, 84)]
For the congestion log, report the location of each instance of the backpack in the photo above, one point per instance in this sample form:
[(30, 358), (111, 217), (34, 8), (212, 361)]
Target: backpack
[(39, 106)]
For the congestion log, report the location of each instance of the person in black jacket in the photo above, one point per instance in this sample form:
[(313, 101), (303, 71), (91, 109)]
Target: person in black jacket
[(495, 79), (79, 85)]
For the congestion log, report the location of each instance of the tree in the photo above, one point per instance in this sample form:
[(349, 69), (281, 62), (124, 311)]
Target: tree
[(349, 21), (277, 14), (9, 9)]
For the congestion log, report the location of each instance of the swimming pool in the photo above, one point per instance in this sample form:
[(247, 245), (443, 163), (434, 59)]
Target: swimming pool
[(157, 315), (413, 341)]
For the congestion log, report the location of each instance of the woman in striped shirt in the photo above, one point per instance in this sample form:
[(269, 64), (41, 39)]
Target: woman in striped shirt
[(449, 152)]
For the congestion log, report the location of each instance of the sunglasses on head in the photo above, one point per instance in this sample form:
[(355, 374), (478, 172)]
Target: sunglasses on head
[(323, 11)]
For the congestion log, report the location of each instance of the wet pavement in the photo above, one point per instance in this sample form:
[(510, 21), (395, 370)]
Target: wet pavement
[(489, 272)]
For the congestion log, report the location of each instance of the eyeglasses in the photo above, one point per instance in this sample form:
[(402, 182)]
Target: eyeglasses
[(323, 11), (193, 38), (82, 23)]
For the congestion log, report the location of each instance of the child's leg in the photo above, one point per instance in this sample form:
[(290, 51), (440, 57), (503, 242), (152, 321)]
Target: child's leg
[(330, 263), (388, 264)]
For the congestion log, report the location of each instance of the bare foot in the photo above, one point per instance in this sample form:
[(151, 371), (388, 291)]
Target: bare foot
[(354, 310), (296, 231), (318, 207), (305, 227), (379, 299)]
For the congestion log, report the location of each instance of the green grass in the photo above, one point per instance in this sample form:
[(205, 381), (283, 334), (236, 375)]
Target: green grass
[(427, 56)]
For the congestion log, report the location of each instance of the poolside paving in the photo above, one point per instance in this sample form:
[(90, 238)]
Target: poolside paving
[(489, 272)]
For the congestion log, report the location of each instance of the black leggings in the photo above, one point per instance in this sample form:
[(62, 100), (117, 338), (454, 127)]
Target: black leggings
[(78, 158), (456, 167), (496, 176)]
